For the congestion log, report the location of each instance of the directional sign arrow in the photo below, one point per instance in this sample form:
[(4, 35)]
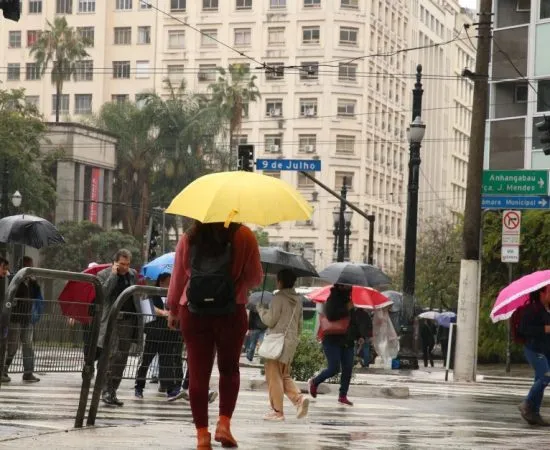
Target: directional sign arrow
[(541, 182), (542, 202)]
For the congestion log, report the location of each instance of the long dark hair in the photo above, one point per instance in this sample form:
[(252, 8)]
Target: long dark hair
[(336, 306), (211, 238), (534, 297)]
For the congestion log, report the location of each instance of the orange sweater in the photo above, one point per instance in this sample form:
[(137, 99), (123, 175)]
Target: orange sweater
[(246, 269)]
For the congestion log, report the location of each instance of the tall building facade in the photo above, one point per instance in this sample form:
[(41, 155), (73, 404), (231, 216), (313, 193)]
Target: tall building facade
[(519, 84), (338, 89)]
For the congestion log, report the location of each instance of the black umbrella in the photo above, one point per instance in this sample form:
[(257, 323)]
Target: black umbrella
[(29, 230), (275, 259), (355, 274)]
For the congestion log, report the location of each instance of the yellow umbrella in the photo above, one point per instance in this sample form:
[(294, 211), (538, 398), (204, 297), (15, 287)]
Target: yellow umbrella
[(243, 197)]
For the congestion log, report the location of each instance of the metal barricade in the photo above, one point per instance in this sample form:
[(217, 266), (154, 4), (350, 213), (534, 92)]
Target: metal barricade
[(103, 365), (8, 301)]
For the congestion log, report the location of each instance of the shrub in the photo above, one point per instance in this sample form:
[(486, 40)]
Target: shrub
[(308, 360)]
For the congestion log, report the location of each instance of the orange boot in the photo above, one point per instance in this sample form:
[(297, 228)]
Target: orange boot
[(223, 433), (203, 439)]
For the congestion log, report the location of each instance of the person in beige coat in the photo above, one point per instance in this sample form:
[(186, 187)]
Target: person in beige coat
[(284, 316)]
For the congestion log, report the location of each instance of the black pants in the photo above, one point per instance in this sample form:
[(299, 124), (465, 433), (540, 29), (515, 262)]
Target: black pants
[(87, 332), (169, 346), (427, 353), (123, 337)]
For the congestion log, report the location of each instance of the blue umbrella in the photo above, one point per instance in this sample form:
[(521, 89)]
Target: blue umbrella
[(162, 264), (445, 319)]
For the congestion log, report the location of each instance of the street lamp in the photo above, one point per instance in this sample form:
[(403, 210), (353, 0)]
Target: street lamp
[(348, 214), (336, 221), (16, 199)]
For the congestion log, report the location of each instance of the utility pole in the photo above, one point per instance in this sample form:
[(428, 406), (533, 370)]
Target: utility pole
[(341, 223), (5, 205), (370, 255), (468, 293)]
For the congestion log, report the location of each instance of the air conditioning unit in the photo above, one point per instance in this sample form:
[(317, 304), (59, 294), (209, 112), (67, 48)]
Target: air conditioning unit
[(275, 112), (309, 149), (273, 148)]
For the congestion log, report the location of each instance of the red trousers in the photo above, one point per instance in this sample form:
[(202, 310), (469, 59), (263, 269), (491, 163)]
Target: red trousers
[(205, 337)]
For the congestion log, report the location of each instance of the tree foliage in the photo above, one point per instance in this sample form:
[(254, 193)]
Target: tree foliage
[(86, 242), (262, 237)]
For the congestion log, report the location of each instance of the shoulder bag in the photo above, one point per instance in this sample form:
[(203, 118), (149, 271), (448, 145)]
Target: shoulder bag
[(273, 344)]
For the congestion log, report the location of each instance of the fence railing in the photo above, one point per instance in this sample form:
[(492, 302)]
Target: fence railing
[(9, 301)]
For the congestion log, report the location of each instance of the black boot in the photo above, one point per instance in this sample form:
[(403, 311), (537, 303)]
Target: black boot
[(110, 398), (527, 413)]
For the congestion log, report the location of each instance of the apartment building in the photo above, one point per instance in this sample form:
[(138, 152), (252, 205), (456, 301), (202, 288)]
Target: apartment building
[(519, 84), (323, 96)]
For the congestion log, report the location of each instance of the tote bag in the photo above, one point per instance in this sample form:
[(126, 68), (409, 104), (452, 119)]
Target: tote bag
[(273, 344)]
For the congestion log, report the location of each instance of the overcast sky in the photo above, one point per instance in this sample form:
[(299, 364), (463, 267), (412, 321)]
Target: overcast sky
[(469, 3)]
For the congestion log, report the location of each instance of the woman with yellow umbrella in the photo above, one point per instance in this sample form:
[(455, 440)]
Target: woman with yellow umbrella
[(216, 263)]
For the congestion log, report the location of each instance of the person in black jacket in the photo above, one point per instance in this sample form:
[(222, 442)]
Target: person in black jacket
[(534, 327), (427, 337), (339, 348)]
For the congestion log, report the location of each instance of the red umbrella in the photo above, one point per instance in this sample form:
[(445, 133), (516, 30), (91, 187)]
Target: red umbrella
[(362, 297), (77, 296)]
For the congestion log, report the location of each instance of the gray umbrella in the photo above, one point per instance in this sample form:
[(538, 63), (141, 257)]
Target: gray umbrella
[(275, 259), (255, 298), (355, 274), (29, 230)]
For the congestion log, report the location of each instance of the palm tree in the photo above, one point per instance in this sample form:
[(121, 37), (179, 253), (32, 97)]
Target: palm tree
[(234, 90), (63, 46)]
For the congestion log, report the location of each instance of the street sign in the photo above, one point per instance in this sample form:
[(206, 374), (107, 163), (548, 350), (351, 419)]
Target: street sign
[(510, 254), (515, 182), (511, 239), (511, 222), (307, 165), (516, 202)]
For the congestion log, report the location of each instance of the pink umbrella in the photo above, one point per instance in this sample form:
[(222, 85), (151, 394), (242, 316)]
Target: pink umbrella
[(517, 293)]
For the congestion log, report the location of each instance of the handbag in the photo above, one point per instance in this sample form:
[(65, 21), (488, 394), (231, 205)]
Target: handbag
[(335, 327), (273, 343)]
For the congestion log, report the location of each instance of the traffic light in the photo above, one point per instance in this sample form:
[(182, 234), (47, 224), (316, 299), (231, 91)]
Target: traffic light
[(11, 9), (246, 157), (153, 243), (544, 130)]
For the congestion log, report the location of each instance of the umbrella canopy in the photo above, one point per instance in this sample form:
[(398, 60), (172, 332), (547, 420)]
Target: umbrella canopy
[(258, 297), (430, 315), (396, 298), (76, 296), (162, 264), (29, 230), (275, 259), (240, 197), (445, 319), (362, 297), (355, 274), (517, 293)]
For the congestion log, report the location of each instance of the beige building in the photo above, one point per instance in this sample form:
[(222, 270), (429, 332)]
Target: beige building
[(328, 99)]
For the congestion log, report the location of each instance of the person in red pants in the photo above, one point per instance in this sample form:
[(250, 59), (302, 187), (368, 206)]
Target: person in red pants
[(214, 268)]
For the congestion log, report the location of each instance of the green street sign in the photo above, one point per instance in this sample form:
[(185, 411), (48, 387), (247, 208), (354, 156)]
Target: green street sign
[(515, 182)]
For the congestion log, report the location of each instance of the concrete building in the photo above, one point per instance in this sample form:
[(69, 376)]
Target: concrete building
[(520, 84), (328, 97)]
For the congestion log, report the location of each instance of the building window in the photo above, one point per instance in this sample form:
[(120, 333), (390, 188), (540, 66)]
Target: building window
[(348, 35), (123, 4), (239, 139), (243, 36), (523, 5), (275, 71), (178, 5), (86, 6), (308, 107), (347, 72), (144, 4), (87, 34), (304, 182), (64, 7), (35, 6), (346, 108), (311, 35), (63, 104), (32, 37), (350, 4), (345, 144), (545, 9), (121, 69), (273, 143), (339, 180), (209, 5), (123, 35), (14, 71), (176, 39), (32, 72), (14, 40), (144, 35), (309, 70), (142, 69), (84, 71), (244, 4), (307, 143), (312, 3), (276, 36), (274, 107), (520, 93), (32, 100), (120, 98), (175, 72), (277, 4), (543, 95), (207, 72), (83, 104), (208, 38)]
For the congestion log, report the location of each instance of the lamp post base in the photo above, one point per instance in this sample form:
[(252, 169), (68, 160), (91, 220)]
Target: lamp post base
[(407, 356)]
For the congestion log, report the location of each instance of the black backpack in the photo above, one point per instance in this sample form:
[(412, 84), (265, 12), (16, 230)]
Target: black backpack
[(211, 289)]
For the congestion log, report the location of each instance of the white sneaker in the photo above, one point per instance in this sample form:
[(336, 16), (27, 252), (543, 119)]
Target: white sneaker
[(303, 408), (274, 416)]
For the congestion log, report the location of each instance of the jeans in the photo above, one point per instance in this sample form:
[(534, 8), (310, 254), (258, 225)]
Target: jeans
[(364, 353), (539, 363), (20, 333), (337, 356), (253, 337)]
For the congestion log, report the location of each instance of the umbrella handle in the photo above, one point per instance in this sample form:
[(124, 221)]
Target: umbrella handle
[(263, 287)]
